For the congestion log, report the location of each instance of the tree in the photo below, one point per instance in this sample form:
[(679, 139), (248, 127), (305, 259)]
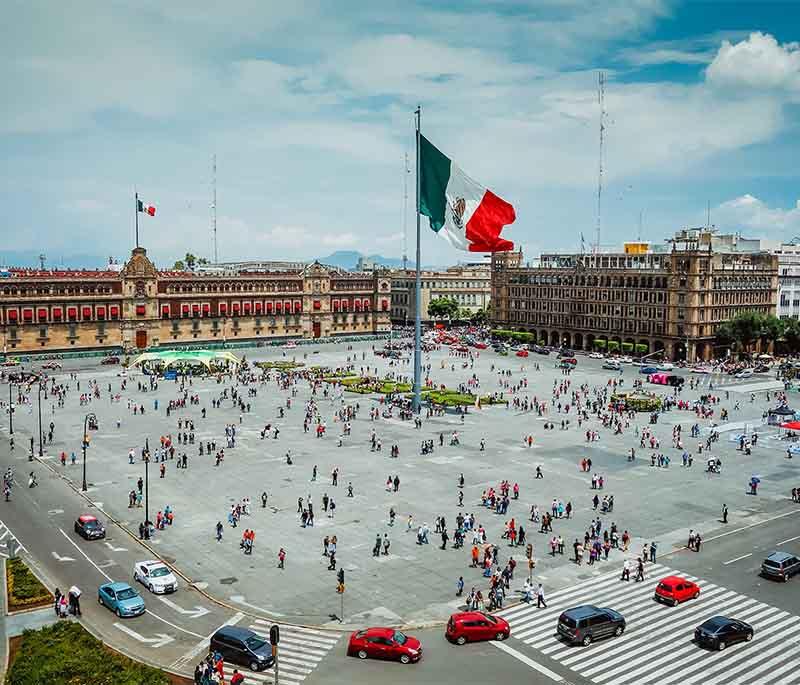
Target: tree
[(464, 313), (479, 317), (443, 308), (179, 266)]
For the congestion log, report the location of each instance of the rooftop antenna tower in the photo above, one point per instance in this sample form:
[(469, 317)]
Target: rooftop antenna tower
[(639, 237), (406, 172), (214, 205), (601, 94), (42, 260), (708, 213)]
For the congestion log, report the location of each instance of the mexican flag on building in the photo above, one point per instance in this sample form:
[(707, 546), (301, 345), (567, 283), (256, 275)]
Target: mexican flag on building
[(467, 215)]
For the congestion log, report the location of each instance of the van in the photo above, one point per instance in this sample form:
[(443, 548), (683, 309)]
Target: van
[(242, 647), (586, 623), (780, 565)]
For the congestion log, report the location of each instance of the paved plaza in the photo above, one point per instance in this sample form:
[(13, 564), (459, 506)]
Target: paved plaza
[(415, 583)]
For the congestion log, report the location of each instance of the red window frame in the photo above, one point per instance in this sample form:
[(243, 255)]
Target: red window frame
[(86, 312), (72, 313), (165, 311), (41, 314), (113, 312), (57, 313), (298, 306), (222, 308), (101, 312), (259, 307), (335, 305), (12, 314), (141, 310)]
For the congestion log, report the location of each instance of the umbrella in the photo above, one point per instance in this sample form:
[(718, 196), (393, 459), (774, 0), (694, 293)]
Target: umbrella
[(75, 591)]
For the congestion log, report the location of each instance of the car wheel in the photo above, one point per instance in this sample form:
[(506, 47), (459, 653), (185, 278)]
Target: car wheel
[(100, 601), (618, 631), (748, 637), (362, 654), (721, 645), (587, 640), (500, 637), (254, 666), (118, 612), (696, 595), (674, 602), (150, 587), (404, 658)]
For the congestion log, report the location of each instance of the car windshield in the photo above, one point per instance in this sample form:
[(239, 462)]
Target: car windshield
[(127, 593), (567, 620), (665, 586), (255, 643), (159, 571), (772, 563), (712, 625), (91, 524), (490, 618), (399, 638)]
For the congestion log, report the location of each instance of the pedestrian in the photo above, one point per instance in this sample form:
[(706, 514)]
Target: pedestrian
[(653, 552), (540, 597), (626, 570), (281, 557), (219, 531), (639, 571), (460, 586), (724, 513)]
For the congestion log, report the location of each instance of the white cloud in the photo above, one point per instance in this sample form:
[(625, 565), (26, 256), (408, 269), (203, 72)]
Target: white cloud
[(758, 63), (752, 213)]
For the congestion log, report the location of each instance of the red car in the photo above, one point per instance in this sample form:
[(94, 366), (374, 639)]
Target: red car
[(522, 353), (472, 626), (674, 590), (384, 643)]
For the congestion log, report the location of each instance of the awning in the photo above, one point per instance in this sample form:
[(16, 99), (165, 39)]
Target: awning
[(259, 307), (165, 311), (101, 312), (27, 314), (42, 314), (87, 313), (12, 314), (223, 307), (114, 311), (57, 313)]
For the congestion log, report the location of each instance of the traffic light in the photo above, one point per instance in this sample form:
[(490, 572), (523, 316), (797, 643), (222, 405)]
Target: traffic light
[(274, 635), (529, 551), (340, 578)]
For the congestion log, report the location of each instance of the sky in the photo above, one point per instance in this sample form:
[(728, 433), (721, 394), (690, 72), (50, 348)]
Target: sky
[(308, 107)]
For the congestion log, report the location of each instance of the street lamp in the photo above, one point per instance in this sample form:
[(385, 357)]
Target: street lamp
[(41, 453), (10, 411), (147, 487), (85, 445)]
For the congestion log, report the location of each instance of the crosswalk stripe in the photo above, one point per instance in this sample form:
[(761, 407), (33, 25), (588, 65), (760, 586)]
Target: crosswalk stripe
[(617, 595), (306, 646), (662, 625), (792, 664), (670, 657), (321, 641), (765, 638), (328, 636)]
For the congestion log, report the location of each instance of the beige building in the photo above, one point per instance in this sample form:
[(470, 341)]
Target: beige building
[(140, 306), (640, 300), (468, 285)]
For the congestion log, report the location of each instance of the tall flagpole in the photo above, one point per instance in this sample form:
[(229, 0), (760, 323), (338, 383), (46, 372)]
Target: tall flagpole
[(136, 213), (418, 288)]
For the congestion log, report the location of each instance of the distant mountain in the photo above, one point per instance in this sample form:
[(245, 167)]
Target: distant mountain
[(348, 259)]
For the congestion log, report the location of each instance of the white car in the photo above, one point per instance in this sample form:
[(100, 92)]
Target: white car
[(596, 355), (155, 576), (626, 360), (612, 364), (666, 366), (701, 369), (745, 373)]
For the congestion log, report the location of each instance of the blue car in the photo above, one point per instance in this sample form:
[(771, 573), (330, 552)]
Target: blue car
[(648, 370), (121, 598)]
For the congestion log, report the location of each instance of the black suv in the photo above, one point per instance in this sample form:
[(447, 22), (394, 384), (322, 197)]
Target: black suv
[(781, 565), (243, 647), (586, 623)]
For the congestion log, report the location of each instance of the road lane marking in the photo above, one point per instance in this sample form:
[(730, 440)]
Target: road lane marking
[(730, 561), (739, 530), (58, 557), (796, 537), (159, 640), (528, 661), (197, 612), (85, 556), (204, 643)]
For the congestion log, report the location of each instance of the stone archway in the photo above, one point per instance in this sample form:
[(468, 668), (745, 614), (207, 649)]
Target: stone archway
[(566, 340), (555, 339), (590, 342), (658, 346), (577, 341), (629, 346), (645, 350), (543, 337)]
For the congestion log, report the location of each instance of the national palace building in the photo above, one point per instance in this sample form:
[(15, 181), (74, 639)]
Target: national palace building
[(139, 306), (668, 298)]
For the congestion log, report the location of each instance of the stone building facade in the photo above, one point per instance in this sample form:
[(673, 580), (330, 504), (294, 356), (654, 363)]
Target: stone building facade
[(670, 301), (141, 307)]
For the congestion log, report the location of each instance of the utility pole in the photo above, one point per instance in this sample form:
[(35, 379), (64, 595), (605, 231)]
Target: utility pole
[(214, 205), (406, 172), (41, 453), (601, 95), (10, 412)]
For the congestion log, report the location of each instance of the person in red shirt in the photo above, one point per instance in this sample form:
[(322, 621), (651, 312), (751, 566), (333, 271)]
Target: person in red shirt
[(237, 677)]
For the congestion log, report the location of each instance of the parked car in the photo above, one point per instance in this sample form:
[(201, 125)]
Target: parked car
[(647, 370), (121, 598), (781, 565), (625, 359), (720, 631), (701, 369), (110, 360), (596, 355), (612, 364), (89, 527), (51, 365), (586, 623), (539, 349), (666, 366), (473, 626), (566, 353), (243, 647), (761, 368), (384, 643), (745, 373), (674, 590), (155, 576)]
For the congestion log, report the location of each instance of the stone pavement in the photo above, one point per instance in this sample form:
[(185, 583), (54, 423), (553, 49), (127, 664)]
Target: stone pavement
[(414, 583)]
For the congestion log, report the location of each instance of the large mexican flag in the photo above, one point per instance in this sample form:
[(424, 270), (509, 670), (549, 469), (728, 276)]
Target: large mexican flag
[(462, 211)]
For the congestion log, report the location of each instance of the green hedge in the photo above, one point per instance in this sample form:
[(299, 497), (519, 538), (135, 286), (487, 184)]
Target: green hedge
[(642, 348), (638, 402), (613, 346), (65, 654), (23, 588), (514, 336), (280, 365), (627, 347), (600, 344)]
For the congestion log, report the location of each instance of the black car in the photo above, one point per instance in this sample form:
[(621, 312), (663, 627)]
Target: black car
[(539, 349), (586, 623), (566, 353), (243, 647), (88, 527), (780, 565), (110, 360), (720, 631)]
